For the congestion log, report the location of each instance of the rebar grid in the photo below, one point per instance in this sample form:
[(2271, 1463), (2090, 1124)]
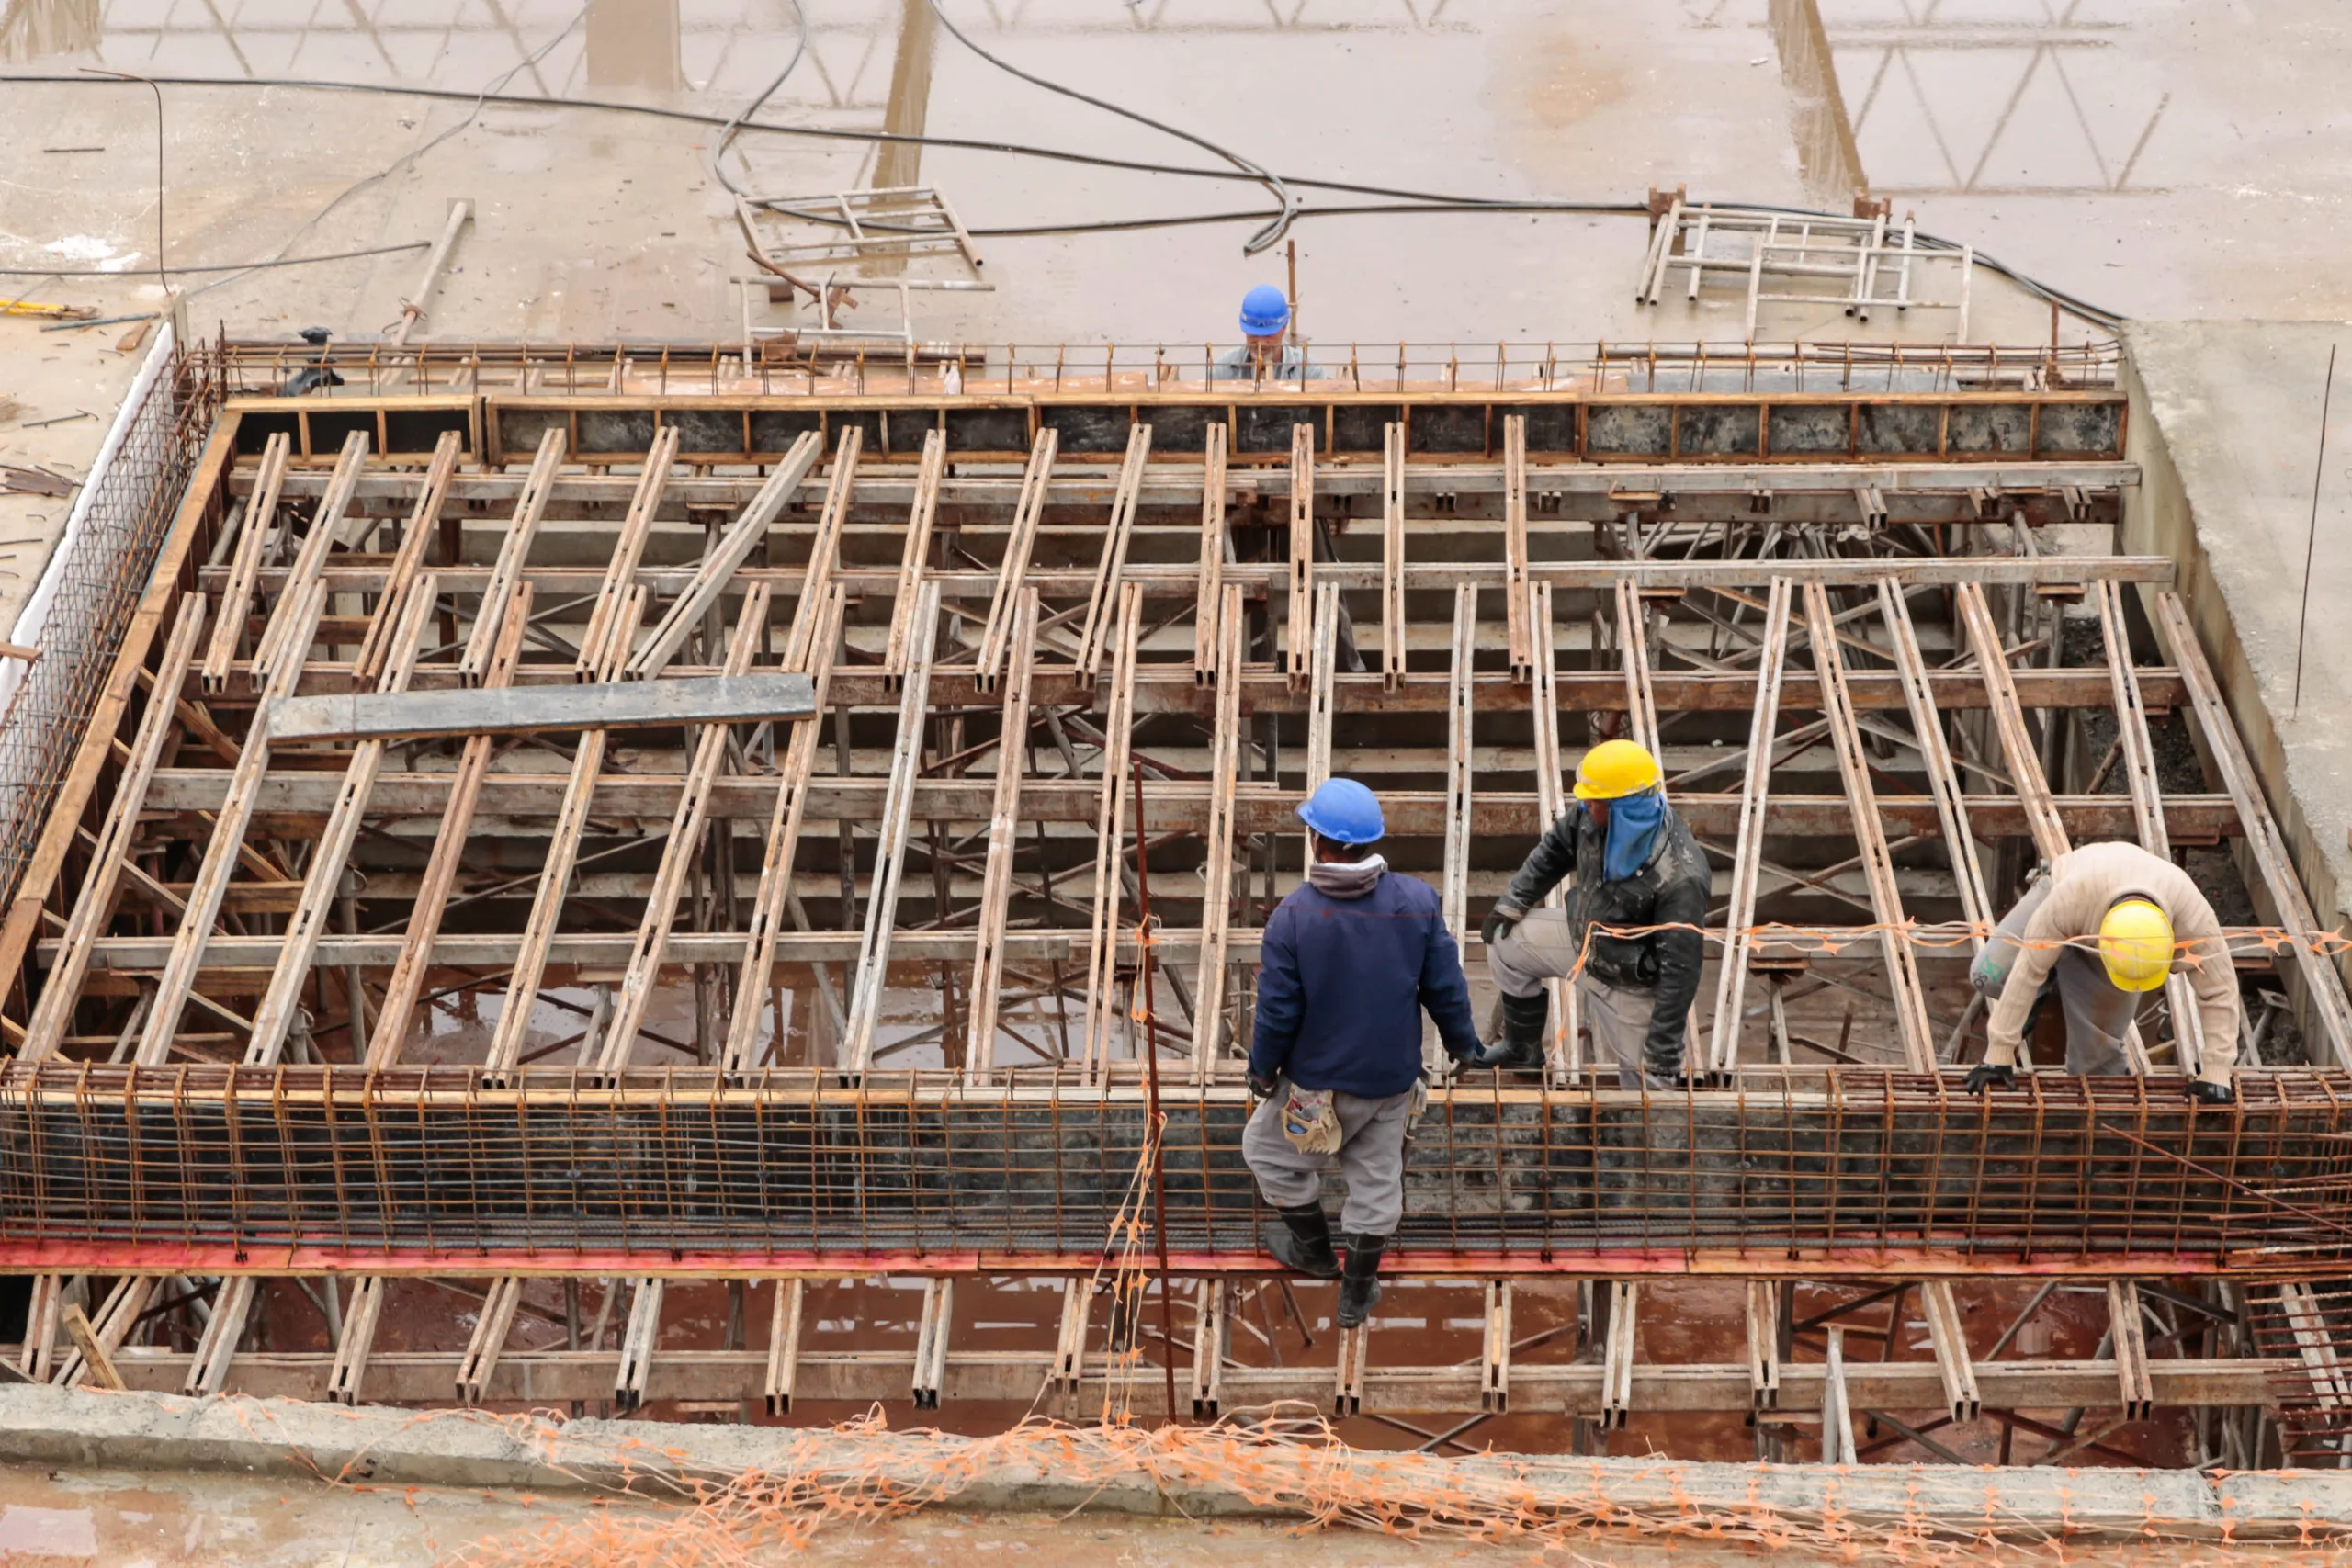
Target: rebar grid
[(1794, 1174)]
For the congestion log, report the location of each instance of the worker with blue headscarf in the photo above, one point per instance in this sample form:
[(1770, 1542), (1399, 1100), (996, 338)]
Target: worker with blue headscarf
[(1266, 353), (1640, 878)]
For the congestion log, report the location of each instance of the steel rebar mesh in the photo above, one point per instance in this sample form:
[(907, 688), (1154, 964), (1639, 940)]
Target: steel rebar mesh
[(93, 586)]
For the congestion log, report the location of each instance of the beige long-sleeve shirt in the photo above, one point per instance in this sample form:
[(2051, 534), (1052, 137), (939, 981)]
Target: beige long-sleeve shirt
[(2085, 883)]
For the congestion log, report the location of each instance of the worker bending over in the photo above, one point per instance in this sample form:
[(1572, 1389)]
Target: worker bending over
[(1634, 865), (1348, 963), (2104, 926)]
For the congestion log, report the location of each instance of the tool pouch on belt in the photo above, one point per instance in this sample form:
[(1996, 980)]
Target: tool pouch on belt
[(1309, 1121), (1414, 1107)]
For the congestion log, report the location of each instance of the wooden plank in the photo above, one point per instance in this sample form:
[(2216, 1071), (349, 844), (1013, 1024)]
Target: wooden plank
[(207, 1369), (1393, 628), (330, 860), (110, 856), (1943, 776), (2138, 764), (1208, 605), (220, 852), (933, 1330), (784, 1344), (523, 982), (914, 559), (1004, 827), (2128, 1331), (595, 661), (637, 1342), (1947, 1338), (1301, 548), (1212, 1341), (360, 1318), (310, 560), (489, 1338), (406, 983), (716, 571), (1633, 657), (1011, 573), (678, 854), (771, 902), (1564, 1049), (1515, 584), (1460, 764), (2018, 749), (513, 550), (896, 826), (97, 1365), (1323, 655), (1747, 852), (2322, 986), (1110, 831), (1217, 893), (1908, 994), (1837, 1406), (417, 534), (1494, 1358), (1618, 1354), (1103, 601), (1764, 1343), (513, 710), (236, 599)]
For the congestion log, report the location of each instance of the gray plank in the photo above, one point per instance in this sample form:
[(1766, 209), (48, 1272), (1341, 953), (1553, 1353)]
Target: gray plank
[(615, 705)]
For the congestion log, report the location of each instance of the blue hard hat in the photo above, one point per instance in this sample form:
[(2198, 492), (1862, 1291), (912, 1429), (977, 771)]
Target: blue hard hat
[(1344, 812), (1265, 311)]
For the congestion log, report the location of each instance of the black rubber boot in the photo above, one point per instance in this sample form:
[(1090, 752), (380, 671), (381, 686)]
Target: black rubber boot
[(1521, 1049), (1360, 1286), (1302, 1243)]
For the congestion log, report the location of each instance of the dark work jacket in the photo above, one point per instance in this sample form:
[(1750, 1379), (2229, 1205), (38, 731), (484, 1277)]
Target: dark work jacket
[(1341, 983), (1671, 888)]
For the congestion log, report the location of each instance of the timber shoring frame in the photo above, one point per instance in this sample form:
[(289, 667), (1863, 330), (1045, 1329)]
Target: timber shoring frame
[(1690, 503)]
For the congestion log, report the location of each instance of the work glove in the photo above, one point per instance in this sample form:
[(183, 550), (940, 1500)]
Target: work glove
[(1261, 1088), (1984, 1074), (2205, 1091), (1500, 922)]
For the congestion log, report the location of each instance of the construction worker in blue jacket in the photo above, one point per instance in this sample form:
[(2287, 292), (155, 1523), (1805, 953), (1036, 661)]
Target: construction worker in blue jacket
[(1348, 963)]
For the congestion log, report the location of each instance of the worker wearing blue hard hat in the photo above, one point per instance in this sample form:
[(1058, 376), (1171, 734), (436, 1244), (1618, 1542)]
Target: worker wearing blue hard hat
[(1266, 351), (1348, 963)]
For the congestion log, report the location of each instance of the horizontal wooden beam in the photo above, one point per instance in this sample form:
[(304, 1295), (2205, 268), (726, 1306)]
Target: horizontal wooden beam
[(607, 704)]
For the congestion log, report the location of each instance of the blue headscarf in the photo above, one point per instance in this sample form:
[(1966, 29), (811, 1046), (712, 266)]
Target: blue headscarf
[(1633, 823)]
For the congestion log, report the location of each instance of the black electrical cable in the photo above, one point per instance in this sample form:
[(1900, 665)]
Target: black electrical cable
[(230, 266), (2097, 315), (1264, 238), (727, 137)]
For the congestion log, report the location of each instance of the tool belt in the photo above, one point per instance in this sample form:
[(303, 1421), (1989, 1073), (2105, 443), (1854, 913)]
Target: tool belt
[(1310, 1121)]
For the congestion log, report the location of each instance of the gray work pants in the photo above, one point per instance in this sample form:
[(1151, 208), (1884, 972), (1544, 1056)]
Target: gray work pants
[(1543, 947), (1372, 1156), (2098, 1013)]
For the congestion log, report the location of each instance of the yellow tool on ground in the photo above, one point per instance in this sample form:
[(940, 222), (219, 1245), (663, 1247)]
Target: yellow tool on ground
[(56, 312)]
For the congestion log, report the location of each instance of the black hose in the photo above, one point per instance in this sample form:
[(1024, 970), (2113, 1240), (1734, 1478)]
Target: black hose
[(727, 137)]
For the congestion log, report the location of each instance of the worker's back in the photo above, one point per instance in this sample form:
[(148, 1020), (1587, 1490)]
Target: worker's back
[(1342, 982)]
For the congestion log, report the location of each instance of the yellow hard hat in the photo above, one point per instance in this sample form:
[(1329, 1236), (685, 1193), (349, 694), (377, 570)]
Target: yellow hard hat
[(2135, 942), (1615, 768)]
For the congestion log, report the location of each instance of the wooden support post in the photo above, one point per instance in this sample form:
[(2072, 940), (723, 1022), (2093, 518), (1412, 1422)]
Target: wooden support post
[(1634, 657), (497, 1316), (1747, 852), (914, 559), (716, 571), (891, 852), (97, 1364), (772, 902), (1004, 827), (118, 1313), (1216, 892), (357, 1340), (1393, 631), (598, 662), (1102, 603), (2323, 987), (1211, 1331), (220, 854), (1302, 549), (43, 1310), (1837, 1410), (1764, 1343), (513, 551), (416, 534), (783, 1343), (2127, 1331), (1323, 654), (312, 559), (1460, 764), (1564, 1052), (110, 856), (679, 852), (244, 568), (1617, 1358), (1909, 998), (1353, 1351), (930, 1341), (1494, 1360), (1208, 607), (1103, 943), (1013, 571), (1943, 777), (330, 862), (440, 879), (207, 1369), (2018, 749), (523, 981), (1948, 1337), (638, 1343), (1522, 647), (1069, 1341)]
